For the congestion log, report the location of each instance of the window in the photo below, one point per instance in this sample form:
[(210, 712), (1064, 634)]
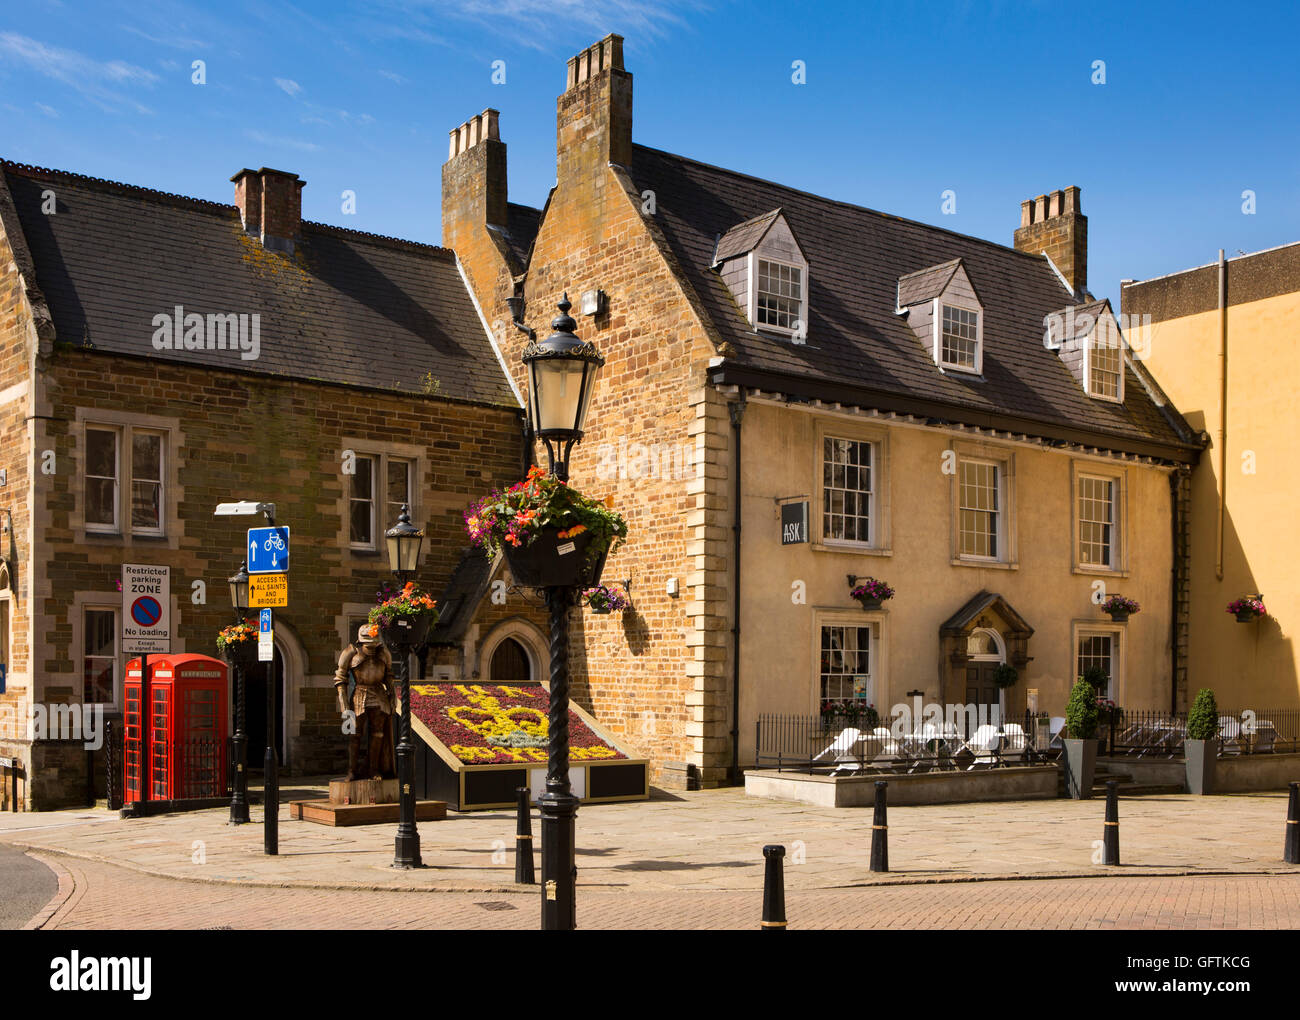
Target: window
[(779, 296), (1097, 519), (124, 463), (399, 487), (99, 663), (979, 506), (361, 505), (1105, 367), (846, 489), (846, 664), (4, 641), (1097, 648), (146, 482), (101, 479), (959, 339)]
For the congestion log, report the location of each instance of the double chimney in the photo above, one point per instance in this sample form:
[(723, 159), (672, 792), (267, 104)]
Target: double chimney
[(270, 206), (1054, 225)]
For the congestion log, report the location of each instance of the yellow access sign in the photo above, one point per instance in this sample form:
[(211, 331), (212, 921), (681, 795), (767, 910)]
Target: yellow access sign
[(268, 591)]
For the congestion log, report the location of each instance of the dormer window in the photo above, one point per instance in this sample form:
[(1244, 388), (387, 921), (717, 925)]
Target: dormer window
[(763, 266), (1087, 339), (960, 339), (778, 296), (1105, 371)]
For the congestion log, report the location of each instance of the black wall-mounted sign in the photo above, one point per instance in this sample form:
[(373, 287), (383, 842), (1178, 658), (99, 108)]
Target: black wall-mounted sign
[(794, 523)]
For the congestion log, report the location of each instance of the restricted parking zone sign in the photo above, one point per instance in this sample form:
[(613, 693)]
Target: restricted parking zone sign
[(146, 609)]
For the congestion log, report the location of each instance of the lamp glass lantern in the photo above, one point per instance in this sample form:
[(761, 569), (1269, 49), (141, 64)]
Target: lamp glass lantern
[(404, 541), (239, 590), (562, 374)]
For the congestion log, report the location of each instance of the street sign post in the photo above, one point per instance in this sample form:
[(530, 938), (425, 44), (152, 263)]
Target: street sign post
[(268, 550), (265, 637), (146, 609)]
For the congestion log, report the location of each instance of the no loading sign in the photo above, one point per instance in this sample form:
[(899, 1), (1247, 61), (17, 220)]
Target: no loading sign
[(146, 608)]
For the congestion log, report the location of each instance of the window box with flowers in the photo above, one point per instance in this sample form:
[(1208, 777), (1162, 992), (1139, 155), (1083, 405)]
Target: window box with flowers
[(237, 644), (1119, 607), (1248, 609), (551, 534), (871, 593)]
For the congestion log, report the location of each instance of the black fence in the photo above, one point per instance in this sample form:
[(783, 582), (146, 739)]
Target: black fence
[(834, 744), (1162, 734)]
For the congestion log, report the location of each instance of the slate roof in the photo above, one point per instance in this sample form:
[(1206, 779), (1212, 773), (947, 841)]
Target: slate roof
[(522, 222), (857, 342), (744, 237), (1085, 317), (925, 284), (347, 307), (460, 598)]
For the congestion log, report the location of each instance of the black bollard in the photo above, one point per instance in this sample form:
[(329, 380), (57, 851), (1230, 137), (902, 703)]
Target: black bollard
[(880, 832), (1110, 838), (773, 889), (1292, 854), (524, 840)]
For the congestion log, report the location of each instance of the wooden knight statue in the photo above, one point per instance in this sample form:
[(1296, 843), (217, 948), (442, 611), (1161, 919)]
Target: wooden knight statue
[(369, 665)]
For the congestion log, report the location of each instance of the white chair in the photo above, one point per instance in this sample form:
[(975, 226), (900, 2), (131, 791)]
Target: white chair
[(985, 745), (1055, 727), (1017, 739), (840, 751)]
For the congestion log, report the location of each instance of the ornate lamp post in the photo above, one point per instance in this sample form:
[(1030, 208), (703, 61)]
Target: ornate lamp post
[(562, 372), (404, 541), (239, 795)]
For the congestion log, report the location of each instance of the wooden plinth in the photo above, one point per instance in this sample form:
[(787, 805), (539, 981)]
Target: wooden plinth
[(363, 791), (327, 812)]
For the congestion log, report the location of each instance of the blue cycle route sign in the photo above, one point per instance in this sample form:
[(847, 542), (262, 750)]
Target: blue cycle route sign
[(268, 550)]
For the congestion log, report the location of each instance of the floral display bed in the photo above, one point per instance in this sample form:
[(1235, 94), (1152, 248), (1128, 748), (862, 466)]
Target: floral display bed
[(482, 742)]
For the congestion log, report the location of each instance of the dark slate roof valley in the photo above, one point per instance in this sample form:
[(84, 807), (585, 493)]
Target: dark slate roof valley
[(744, 237), (522, 222), (855, 338), (347, 307), (925, 284)]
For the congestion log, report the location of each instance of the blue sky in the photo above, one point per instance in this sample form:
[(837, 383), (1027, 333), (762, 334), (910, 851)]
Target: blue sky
[(902, 101)]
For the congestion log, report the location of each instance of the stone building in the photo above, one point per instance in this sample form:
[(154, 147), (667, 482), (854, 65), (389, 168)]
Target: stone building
[(961, 418), (159, 355), (1221, 338)]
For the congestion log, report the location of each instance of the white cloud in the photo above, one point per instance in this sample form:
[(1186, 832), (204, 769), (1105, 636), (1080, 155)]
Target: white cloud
[(540, 23), (290, 86), (99, 82), (393, 76), (49, 111), (281, 142)]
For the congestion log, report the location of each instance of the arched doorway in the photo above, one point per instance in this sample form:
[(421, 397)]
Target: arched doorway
[(985, 652), (510, 665)]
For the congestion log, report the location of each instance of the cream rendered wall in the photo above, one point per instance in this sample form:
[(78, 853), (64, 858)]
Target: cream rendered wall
[(1248, 665), (782, 458)]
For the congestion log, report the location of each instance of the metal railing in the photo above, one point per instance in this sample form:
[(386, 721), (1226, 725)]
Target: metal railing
[(832, 744), (1162, 734)]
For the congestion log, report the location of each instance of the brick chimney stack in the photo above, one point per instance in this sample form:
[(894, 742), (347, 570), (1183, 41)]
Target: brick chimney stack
[(270, 206), (1054, 225), (594, 114), (473, 179)]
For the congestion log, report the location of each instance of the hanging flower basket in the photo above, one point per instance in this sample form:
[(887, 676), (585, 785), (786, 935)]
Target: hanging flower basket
[(1119, 607), (871, 593), (237, 644), (1005, 676), (604, 600), (404, 618), (551, 534), (1248, 609)]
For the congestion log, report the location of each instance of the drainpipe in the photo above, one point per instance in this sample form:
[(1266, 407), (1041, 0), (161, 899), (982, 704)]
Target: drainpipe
[(1223, 412), (1175, 516), (737, 411)]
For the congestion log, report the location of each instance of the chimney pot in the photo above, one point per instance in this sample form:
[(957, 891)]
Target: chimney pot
[(270, 205), (1053, 225)]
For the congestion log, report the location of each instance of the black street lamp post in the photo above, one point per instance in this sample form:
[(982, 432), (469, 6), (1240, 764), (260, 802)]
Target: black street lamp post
[(239, 794), (562, 372), (404, 541)]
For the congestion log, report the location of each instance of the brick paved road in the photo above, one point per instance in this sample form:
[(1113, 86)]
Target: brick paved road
[(107, 896)]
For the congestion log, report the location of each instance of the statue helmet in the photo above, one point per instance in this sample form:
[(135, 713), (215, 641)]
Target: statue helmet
[(368, 634)]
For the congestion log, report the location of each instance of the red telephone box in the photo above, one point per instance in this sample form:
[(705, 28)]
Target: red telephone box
[(187, 728)]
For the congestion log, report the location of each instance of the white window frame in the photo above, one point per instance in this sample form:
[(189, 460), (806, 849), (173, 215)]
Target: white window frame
[(381, 454), (870, 492), (116, 431), (878, 653), (1107, 324), (751, 271), (124, 428), (105, 602), (879, 524), (937, 353), (1118, 478), (998, 533), (376, 466), (1005, 462), (392, 508), (1115, 631)]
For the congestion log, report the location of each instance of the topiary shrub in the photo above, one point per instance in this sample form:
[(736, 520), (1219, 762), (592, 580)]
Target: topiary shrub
[(1203, 719), (1081, 711), (1098, 678), (1005, 676)]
